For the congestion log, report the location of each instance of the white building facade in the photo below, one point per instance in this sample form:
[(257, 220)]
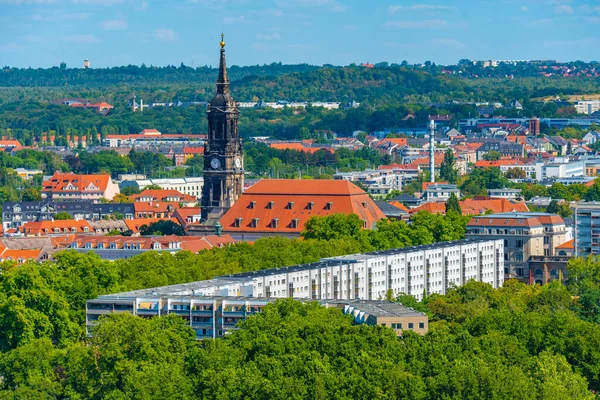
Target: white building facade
[(191, 186)]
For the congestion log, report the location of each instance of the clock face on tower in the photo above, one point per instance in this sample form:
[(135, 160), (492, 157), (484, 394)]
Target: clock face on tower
[(215, 163), (238, 163)]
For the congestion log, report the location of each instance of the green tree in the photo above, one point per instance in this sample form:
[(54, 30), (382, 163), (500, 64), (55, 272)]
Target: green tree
[(516, 173), (448, 171), (452, 205), (492, 156), (62, 215), (162, 228), (31, 194)]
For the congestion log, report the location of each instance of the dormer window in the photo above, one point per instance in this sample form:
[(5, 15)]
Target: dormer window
[(310, 205), (100, 245), (85, 229), (237, 223), (156, 246), (294, 223), (364, 204), (88, 245), (252, 205), (329, 205), (56, 230), (275, 223), (254, 223), (113, 245), (73, 230), (73, 245), (290, 205), (270, 205)]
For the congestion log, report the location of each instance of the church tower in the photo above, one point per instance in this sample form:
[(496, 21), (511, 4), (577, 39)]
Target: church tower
[(223, 158)]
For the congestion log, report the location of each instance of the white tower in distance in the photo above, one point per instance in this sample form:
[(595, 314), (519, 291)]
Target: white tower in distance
[(86, 64), (432, 150)]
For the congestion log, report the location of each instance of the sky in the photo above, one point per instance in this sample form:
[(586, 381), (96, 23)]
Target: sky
[(44, 33)]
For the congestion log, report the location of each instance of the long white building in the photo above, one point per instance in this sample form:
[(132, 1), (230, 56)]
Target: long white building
[(214, 306), (191, 186), (413, 270)]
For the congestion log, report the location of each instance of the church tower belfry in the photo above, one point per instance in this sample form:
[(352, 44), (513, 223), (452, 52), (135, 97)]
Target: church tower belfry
[(223, 158)]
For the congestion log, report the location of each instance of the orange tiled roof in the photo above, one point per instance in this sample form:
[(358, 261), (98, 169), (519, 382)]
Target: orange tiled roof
[(70, 182), (425, 185), (498, 163), (155, 206), (11, 143), (298, 147), (284, 205), (50, 227), (480, 206), (9, 254), (570, 245), (399, 205), (434, 208), (523, 221)]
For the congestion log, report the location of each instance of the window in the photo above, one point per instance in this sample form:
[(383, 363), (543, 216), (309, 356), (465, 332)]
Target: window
[(237, 223), (290, 205), (329, 205), (310, 205), (275, 223), (411, 325), (251, 205), (254, 222), (270, 205), (421, 325), (294, 223)]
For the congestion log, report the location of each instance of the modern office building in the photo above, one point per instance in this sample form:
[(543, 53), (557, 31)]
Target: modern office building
[(526, 238), (369, 277), (587, 228)]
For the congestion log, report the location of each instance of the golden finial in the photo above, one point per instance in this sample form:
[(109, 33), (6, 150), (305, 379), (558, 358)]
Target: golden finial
[(222, 40)]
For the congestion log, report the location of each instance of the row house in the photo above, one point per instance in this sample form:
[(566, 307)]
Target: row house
[(70, 186)]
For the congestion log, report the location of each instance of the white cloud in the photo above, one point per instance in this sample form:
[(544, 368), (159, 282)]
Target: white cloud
[(417, 7), (56, 17), (98, 2), (165, 35), (81, 39), (425, 24), (453, 43), (268, 36), (563, 9), (114, 25), (235, 20)]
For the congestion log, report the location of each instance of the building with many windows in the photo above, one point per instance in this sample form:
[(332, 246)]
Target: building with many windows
[(214, 316), (417, 270), (587, 228), (69, 186), (526, 237), (191, 186)]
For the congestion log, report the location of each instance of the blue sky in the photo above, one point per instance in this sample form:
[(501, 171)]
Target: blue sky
[(43, 33)]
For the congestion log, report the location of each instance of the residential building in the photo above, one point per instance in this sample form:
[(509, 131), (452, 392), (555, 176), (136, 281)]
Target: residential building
[(188, 186), (153, 137), (560, 167), (28, 174), (214, 317), (50, 228), (359, 280), (174, 196), (15, 214), (69, 186), (273, 207), (511, 194), (475, 206), (377, 183), (440, 192), (525, 235), (506, 149), (587, 107)]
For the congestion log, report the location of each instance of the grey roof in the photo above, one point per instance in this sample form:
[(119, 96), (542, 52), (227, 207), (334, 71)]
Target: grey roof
[(389, 209)]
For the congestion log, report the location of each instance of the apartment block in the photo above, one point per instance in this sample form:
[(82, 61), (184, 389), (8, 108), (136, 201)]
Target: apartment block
[(529, 238), (370, 277), (214, 317), (191, 186)]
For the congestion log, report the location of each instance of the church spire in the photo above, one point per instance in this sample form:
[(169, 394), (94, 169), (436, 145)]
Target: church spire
[(222, 80)]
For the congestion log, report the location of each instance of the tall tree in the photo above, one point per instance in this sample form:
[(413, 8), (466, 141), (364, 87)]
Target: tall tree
[(448, 171), (452, 205)]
